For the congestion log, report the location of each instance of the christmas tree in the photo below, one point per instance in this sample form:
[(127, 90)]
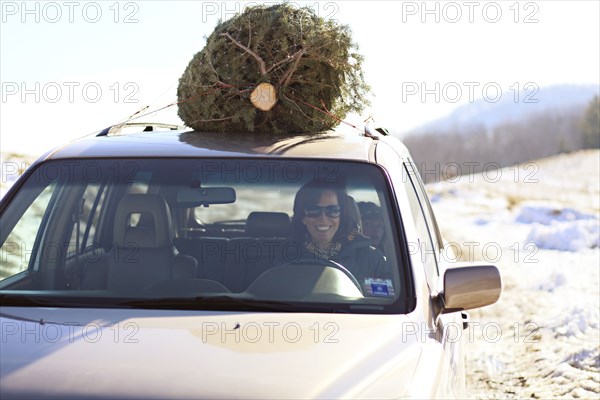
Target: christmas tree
[(277, 69)]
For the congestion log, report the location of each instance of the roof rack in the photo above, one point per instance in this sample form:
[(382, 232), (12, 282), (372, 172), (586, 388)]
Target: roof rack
[(135, 127), (375, 133)]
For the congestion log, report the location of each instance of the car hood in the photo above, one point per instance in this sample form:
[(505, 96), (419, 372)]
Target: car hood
[(73, 353)]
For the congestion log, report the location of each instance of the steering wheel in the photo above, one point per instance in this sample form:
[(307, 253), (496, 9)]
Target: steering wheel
[(332, 264)]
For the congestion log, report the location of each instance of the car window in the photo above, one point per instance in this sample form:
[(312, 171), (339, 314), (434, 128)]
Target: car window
[(16, 251), (425, 244), (426, 206), (194, 228), (270, 198), (407, 181)]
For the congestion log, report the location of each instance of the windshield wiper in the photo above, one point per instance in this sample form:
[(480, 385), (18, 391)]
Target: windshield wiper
[(221, 303), (228, 303), (28, 300)]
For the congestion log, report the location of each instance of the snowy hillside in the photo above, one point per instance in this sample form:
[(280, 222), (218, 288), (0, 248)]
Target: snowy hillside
[(539, 224), (514, 106)]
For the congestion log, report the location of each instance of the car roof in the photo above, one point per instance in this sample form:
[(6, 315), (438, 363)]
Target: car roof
[(348, 144)]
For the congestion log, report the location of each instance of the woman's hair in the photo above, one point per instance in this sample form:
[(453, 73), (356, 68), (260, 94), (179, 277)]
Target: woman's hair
[(309, 195)]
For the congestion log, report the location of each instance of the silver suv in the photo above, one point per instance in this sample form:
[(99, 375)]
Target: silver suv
[(197, 265)]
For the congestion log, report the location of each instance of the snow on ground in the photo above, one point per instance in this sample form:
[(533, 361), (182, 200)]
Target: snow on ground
[(540, 225)]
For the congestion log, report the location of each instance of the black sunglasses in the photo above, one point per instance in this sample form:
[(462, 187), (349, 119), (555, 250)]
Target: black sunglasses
[(316, 211)]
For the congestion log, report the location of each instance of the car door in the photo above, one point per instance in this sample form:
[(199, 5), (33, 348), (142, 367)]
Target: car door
[(449, 327), (443, 333)]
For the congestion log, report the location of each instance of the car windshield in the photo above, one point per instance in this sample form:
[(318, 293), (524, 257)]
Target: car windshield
[(259, 234)]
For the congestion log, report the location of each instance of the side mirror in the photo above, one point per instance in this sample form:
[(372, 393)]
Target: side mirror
[(470, 286)]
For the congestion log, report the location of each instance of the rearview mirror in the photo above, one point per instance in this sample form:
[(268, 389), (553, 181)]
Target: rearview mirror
[(470, 286), (189, 198)]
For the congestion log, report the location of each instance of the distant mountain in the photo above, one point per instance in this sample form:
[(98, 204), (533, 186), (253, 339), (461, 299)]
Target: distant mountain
[(484, 113)]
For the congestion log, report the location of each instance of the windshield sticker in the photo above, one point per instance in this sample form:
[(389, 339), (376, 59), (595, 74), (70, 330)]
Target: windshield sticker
[(379, 287)]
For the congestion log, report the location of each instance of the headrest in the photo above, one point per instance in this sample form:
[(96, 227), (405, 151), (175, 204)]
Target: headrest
[(154, 227), (355, 213), (268, 224)]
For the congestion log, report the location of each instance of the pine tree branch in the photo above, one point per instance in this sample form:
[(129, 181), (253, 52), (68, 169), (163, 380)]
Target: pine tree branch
[(286, 60), (285, 79), (261, 63), (297, 106), (218, 82), (249, 34)]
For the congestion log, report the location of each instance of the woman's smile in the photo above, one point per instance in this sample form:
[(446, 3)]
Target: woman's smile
[(323, 228)]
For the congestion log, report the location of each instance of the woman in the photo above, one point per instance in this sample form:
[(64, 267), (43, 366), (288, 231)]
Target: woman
[(325, 222)]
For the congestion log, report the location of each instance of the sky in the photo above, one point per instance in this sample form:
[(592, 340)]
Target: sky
[(71, 68)]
